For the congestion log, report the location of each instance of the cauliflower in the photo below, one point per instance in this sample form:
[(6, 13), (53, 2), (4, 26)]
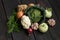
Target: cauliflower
[(25, 21)]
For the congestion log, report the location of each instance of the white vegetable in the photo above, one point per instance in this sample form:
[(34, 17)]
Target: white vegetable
[(48, 13), (25, 21), (51, 22), (43, 27), (34, 26)]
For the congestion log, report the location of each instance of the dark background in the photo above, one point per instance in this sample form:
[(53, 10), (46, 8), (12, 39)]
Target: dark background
[(6, 6)]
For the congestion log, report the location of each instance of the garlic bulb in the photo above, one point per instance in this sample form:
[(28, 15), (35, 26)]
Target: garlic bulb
[(25, 21), (34, 26), (51, 22)]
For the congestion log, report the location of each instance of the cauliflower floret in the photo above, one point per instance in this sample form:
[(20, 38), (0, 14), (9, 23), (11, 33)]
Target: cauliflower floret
[(25, 21)]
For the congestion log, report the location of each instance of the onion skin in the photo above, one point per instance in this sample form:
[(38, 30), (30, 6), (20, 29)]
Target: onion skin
[(19, 14), (51, 22), (29, 30), (34, 26)]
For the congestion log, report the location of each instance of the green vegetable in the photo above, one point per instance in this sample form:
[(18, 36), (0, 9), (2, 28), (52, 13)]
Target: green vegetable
[(43, 27), (34, 14), (12, 24), (48, 12)]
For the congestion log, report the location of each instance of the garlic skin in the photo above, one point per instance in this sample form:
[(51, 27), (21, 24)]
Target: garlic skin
[(48, 13), (51, 22), (34, 26), (25, 21)]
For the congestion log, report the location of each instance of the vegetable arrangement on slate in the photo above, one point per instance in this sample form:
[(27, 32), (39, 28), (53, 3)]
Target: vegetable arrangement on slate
[(31, 17)]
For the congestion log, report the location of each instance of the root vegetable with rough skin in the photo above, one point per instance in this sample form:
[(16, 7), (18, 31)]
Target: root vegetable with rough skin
[(34, 26), (51, 22), (22, 7), (31, 4), (25, 21)]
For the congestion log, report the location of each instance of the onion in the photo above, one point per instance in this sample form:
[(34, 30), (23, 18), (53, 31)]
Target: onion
[(19, 14)]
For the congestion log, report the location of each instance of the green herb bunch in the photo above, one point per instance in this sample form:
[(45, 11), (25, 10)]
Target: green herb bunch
[(12, 24)]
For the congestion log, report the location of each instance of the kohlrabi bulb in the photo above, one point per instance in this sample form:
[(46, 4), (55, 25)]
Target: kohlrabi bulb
[(48, 13), (43, 27)]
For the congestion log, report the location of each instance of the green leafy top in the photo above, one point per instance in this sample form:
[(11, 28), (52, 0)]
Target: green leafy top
[(34, 14), (12, 24)]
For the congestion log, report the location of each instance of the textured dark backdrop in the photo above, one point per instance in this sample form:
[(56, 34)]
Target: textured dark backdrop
[(6, 7)]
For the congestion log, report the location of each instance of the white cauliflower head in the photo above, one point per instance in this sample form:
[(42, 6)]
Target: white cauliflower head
[(25, 21)]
